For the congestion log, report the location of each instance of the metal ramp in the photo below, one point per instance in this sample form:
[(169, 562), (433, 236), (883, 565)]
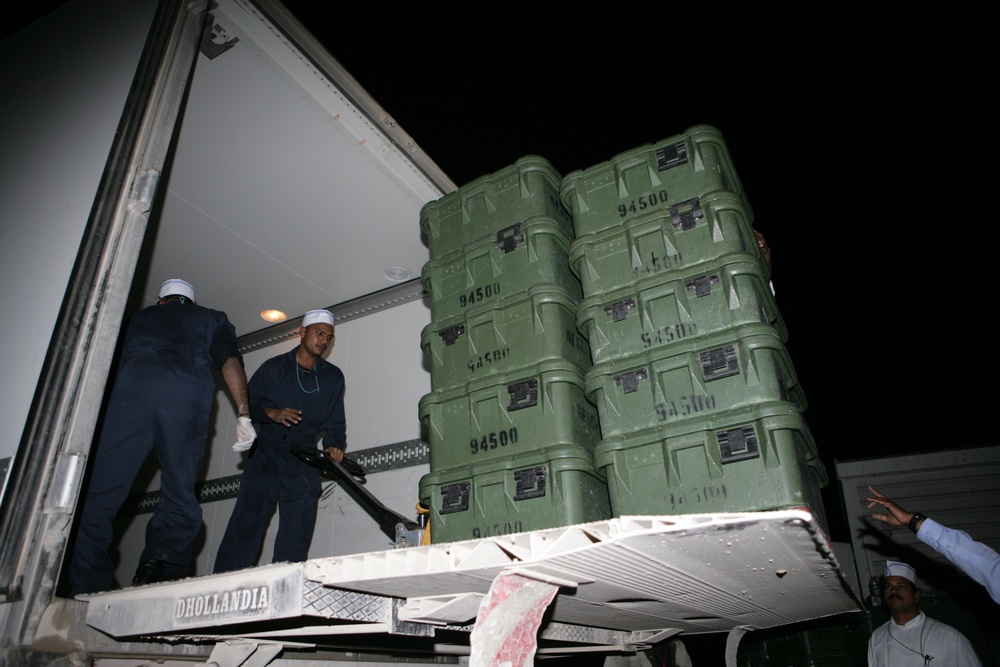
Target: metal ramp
[(616, 585)]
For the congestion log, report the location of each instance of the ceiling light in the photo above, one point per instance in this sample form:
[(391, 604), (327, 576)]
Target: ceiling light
[(273, 315), (397, 273)]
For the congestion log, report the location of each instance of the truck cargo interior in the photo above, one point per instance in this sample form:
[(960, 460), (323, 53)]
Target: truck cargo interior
[(219, 142)]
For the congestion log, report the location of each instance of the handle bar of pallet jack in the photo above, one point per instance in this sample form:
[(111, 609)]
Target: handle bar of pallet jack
[(388, 519)]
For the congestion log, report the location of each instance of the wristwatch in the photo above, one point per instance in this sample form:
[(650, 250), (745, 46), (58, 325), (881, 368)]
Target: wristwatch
[(914, 520)]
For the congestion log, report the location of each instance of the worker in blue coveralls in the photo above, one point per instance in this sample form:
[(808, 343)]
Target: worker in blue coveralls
[(297, 400), (161, 401)]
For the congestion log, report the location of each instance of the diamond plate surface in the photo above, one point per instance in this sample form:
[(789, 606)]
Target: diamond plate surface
[(344, 605)]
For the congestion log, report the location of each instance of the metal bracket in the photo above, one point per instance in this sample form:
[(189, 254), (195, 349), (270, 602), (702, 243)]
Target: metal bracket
[(215, 40), (442, 609), (530, 483), (719, 363), (452, 333), (619, 310), (630, 380), (407, 537), (686, 214), (509, 238), (523, 395), (738, 444), (671, 155), (241, 653), (455, 497), (702, 286)]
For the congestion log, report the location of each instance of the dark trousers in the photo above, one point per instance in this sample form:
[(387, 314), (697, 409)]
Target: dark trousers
[(273, 475), (158, 408)]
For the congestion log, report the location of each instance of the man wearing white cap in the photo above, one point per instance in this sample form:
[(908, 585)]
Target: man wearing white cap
[(161, 401), (297, 400), (910, 637)]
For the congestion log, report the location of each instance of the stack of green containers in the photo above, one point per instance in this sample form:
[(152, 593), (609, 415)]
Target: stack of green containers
[(699, 404), (510, 426)]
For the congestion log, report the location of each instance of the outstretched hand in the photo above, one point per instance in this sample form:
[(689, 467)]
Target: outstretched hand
[(895, 515)]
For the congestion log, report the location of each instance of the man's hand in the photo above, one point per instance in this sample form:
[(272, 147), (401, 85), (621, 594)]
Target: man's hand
[(764, 247), (245, 434), (284, 416), (335, 453), (896, 516)]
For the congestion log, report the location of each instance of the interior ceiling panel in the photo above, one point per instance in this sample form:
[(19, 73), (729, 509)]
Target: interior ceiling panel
[(281, 193)]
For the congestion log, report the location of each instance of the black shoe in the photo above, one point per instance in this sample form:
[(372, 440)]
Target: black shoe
[(148, 572)]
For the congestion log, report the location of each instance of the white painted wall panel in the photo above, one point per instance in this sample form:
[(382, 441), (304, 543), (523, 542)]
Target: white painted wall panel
[(64, 81)]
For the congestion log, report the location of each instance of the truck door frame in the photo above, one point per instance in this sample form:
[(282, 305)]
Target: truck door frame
[(47, 472)]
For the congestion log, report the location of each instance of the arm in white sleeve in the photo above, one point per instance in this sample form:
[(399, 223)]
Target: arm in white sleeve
[(974, 558)]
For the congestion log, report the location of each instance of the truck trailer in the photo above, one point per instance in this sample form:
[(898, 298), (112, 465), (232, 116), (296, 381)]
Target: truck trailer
[(219, 142)]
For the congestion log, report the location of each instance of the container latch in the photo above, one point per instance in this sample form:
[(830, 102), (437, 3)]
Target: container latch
[(702, 286), (629, 381), (720, 363), (530, 483), (686, 214), (452, 333), (671, 155), (455, 497), (509, 238), (618, 311), (523, 394), (738, 444)]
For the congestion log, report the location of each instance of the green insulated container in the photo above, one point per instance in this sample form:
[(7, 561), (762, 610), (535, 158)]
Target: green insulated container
[(527, 189), (547, 488), (650, 178), (677, 307), (518, 331), (660, 243), (511, 261), (508, 414), (732, 369), (746, 460)]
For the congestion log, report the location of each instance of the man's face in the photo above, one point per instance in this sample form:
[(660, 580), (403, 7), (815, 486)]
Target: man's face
[(316, 338), (899, 594)]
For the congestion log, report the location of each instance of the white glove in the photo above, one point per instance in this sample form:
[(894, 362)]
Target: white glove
[(245, 434)]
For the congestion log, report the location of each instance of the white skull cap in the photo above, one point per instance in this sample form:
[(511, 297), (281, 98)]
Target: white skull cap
[(896, 569), (318, 317), (177, 287)]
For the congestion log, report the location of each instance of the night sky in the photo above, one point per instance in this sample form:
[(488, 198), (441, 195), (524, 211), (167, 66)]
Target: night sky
[(866, 145)]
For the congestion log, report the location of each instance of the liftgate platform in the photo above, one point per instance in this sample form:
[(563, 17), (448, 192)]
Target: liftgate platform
[(619, 585)]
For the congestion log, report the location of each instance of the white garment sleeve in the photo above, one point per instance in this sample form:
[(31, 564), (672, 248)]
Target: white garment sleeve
[(974, 558)]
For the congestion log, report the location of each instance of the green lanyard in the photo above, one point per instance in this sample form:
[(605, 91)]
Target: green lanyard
[(298, 376)]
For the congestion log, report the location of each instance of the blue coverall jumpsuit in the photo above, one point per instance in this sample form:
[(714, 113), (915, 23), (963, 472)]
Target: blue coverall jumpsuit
[(161, 401), (272, 473)]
